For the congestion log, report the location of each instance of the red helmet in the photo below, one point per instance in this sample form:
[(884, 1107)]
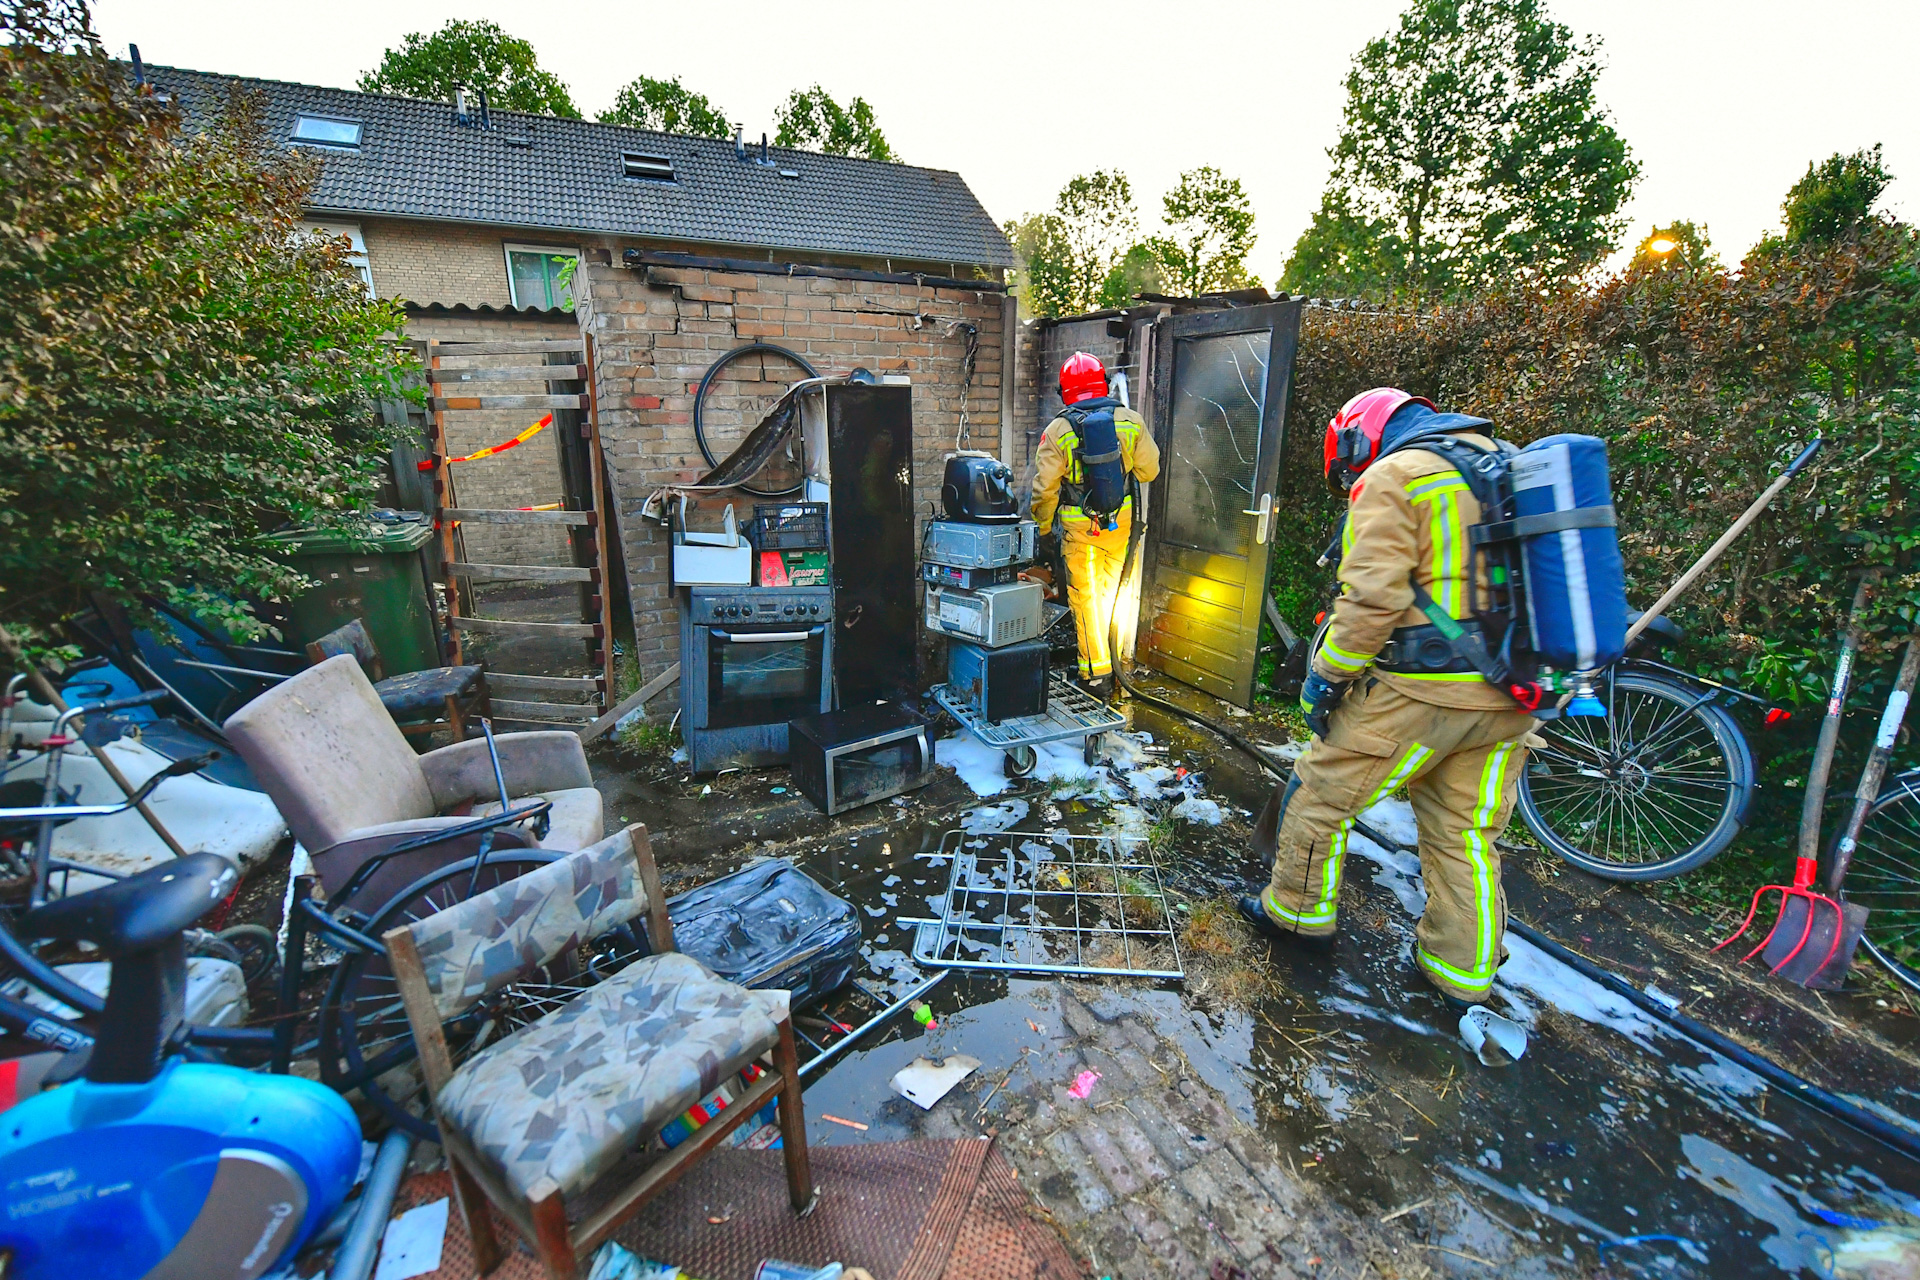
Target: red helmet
[(1081, 378), (1353, 437)]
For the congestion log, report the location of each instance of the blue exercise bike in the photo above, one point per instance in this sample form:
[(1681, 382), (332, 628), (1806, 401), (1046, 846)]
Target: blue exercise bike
[(150, 1165)]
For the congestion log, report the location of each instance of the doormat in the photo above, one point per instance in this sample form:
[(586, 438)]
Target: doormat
[(930, 1209)]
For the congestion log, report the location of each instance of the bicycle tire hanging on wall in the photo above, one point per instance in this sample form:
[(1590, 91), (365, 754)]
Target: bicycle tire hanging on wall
[(700, 399)]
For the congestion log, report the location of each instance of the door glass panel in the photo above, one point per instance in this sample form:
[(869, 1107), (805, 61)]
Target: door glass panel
[(1218, 386), (765, 683)]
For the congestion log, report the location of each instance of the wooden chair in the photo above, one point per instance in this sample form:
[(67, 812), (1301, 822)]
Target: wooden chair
[(446, 695), (539, 1119)]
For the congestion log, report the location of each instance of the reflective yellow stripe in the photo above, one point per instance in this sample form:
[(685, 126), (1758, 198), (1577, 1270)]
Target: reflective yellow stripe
[(1461, 676), (1486, 889), (1339, 657), (1327, 908), (1449, 535)]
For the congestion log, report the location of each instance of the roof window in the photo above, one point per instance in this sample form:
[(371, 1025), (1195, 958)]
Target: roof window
[(324, 131), (636, 164)]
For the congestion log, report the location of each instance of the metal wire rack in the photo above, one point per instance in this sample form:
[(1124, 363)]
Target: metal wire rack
[(1051, 902)]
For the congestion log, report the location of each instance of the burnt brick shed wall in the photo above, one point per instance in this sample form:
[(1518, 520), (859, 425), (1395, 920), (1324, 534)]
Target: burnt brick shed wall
[(658, 328)]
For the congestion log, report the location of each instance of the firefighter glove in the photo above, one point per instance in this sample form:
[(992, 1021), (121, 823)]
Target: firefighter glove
[(1318, 697)]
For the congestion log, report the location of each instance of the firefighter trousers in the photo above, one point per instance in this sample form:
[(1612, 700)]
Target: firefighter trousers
[(1094, 561), (1461, 769)]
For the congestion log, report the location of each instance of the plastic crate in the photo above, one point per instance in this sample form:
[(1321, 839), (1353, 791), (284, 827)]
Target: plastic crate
[(789, 526)]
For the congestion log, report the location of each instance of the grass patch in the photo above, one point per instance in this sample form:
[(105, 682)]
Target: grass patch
[(644, 738)]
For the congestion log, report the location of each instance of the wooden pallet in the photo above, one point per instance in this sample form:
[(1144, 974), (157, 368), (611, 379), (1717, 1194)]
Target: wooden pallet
[(462, 389)]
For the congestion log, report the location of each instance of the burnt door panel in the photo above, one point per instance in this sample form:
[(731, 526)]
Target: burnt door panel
[(875, 592), (1221, 381)]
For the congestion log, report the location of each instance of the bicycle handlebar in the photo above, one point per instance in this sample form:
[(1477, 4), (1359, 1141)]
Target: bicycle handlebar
[(69, 812), (111, 705)]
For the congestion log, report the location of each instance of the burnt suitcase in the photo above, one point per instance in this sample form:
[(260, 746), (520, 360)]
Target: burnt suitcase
[(769, 925)]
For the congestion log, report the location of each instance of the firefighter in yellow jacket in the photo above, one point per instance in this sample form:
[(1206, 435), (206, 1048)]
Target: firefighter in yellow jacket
[(1391, 706), (1080, 483)]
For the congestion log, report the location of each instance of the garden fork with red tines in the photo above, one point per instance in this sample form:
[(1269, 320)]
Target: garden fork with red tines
[(1809, 921)]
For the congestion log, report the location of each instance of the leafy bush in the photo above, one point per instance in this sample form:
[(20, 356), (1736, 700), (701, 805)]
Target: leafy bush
[(180, 365)]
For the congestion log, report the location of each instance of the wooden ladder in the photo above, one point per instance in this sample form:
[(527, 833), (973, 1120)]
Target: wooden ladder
[(462, 390)]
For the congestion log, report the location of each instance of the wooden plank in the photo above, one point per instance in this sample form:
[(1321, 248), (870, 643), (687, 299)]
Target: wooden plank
[(570, 712), (1203, 564), (505, 626), (524, 347), (605, 529), (1214, 592), (1221, 640), (509, 373), (454, 404), (1280, 627), (636, 699), (483, 515), (510, 683), (522, 573)]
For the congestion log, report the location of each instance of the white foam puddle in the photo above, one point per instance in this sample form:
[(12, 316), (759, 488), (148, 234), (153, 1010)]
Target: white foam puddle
[(1354, 1008)]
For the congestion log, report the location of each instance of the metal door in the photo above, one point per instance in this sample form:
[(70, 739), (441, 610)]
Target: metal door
[(1221, 380)]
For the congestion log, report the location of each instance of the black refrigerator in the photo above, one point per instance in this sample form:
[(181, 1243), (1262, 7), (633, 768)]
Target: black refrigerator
[(876, 595)]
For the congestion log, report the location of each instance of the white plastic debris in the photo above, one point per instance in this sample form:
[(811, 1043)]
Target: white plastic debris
[(925, 1082), (413, 1241), (1496, 1041)]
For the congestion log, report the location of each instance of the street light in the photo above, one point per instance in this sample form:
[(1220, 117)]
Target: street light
[(1661, 246)]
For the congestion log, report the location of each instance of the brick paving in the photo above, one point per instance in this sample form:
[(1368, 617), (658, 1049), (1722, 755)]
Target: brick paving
[(1152, 1176)]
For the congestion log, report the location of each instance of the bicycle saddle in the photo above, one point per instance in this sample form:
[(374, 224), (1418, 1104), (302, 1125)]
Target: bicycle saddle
[(1663, 628), (140, 912)]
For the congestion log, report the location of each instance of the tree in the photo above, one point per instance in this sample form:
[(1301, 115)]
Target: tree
[(666, 106), (1472, 149), (474, 55), (1209, 232), (1679, 246), (1085, 253), (1835, 196), (810, 120), (1344, 254), (183, 367)]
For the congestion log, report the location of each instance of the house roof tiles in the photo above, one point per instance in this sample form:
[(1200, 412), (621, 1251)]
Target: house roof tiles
[(540, 172)]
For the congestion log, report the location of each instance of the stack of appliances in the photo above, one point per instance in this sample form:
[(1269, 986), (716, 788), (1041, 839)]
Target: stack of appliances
[(970, 561)]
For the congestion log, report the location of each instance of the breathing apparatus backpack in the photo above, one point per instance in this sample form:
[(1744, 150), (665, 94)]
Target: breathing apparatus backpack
[(1556, 597), (1102, 488)]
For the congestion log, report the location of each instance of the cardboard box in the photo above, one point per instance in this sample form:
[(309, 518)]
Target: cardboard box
[(792, 569)]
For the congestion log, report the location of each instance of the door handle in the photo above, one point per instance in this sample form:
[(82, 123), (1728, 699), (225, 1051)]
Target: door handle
[(766, 637), (1265, 512)]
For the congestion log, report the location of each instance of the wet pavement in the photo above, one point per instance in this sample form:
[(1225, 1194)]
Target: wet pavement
[(1613, 1147)]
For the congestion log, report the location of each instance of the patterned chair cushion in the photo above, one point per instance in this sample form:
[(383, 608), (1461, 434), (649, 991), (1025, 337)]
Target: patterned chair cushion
[(478, 946), (566, 1097), (426, 692)]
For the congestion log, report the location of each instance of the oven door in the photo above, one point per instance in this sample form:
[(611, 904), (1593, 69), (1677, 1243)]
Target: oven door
[(763, 677)]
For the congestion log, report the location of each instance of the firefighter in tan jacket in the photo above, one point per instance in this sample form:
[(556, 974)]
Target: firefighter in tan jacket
[(1093, 545), (1389, 711)]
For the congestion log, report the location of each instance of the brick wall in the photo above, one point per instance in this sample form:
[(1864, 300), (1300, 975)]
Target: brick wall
[(658, 328)]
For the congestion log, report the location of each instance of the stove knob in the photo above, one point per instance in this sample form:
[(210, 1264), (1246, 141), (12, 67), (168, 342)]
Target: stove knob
[(733, 611), (815, 611), (789, 611)]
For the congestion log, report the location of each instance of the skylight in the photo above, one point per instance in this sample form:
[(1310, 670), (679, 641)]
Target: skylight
[(635, 164), (326, 132)]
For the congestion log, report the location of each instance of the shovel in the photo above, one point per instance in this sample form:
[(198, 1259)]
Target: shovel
[(1811, 924), (1807, 968)]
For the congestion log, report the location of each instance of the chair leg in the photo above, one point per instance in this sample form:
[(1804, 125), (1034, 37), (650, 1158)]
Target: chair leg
[(552, 1240), (457, 721), (793, 1119), (478, 1214)]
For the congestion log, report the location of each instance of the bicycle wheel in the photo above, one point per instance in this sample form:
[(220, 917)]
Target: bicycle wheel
[(1658, 786), (367, 1035), (729, 405), (1884, 877)]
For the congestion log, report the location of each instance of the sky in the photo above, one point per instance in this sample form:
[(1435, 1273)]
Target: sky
[(1723, 103)]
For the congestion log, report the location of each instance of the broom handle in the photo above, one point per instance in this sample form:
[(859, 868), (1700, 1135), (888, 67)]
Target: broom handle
[(1714, 552), (1869, 788), (1830, 730)]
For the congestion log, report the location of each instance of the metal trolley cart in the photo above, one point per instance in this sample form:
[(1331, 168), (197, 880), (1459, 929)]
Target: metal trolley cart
[(1071, 712)]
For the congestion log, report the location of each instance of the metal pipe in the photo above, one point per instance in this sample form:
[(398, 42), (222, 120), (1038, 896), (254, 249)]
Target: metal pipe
[(847, 1041), (355, 1257)]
